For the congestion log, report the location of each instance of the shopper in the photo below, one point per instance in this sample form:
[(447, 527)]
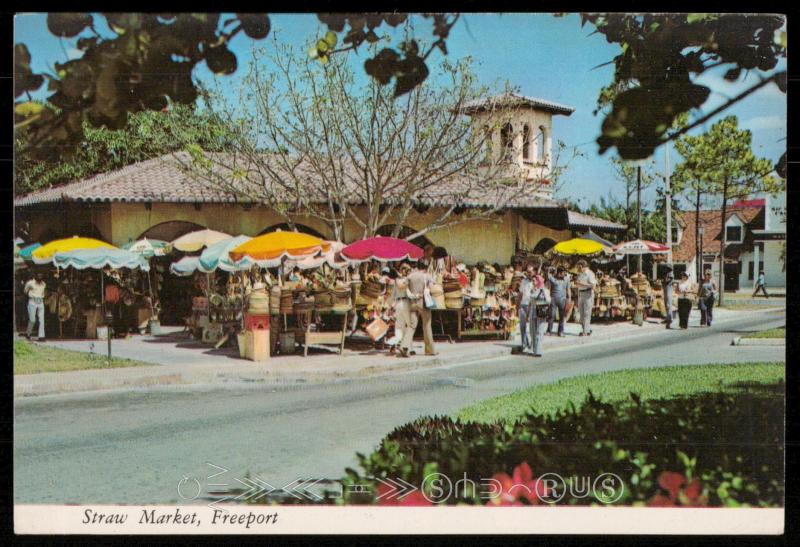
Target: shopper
[(404, 323), (667, 288), (539, 310), (560, 294), (761, 285), (708, 293), (419, 281), (523, 305), (686, 296), (585, 282), (34, 289)]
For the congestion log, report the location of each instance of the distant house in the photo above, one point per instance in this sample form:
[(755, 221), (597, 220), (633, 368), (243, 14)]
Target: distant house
[(156, 199), (755, 234)]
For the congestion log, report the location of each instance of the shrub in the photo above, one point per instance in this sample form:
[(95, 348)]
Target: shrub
[(715, 449)]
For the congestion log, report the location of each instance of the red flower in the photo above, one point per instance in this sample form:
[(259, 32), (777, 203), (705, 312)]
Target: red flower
[(671, 482), (521, 485), (414, 499)]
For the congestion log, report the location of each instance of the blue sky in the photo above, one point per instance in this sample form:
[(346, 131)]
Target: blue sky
[(544, 56)]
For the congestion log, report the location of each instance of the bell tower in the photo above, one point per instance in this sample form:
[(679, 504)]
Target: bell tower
[(518, 131)]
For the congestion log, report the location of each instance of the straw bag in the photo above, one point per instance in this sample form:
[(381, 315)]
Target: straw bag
[(377, 329), (437, 292)]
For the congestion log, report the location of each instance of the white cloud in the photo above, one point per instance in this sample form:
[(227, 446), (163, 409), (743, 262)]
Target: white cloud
[(765, 122)]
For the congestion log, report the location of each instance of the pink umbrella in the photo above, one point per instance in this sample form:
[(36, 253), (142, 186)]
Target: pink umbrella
[(383, 249), (640, 247)]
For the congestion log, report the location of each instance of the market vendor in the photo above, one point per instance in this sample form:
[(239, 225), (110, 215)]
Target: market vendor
[(34, 289)]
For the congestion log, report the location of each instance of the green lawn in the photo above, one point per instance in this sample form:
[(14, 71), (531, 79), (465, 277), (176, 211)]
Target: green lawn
[(34, 358), (653, 383), (769, 333)]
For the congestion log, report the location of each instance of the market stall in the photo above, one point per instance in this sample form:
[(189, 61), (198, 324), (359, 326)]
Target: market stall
[(641, 296), (121, 292)]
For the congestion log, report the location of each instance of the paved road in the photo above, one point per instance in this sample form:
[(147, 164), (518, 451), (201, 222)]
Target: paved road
[(135, 446)]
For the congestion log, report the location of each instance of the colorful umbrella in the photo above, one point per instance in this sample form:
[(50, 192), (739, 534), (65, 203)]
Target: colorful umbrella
[(328, 257), (577, 247), (100, 257), (185, 266), (640, 247), (194, 241), (381, 248), (217, 256), (148, 247), (269, 249), (26, 252), (44, 254)]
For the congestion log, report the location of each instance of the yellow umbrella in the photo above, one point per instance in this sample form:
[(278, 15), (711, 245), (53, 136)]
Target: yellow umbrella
[(578, 246), (277, 245), (194, 241), (44, 254)]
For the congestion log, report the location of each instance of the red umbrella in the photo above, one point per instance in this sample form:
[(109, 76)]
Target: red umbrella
[(383, 249), (640, 247)]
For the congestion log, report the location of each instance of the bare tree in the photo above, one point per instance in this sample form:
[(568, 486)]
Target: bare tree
[(317, 141)]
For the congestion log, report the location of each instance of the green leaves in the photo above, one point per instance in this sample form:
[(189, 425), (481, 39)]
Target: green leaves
[(24, 79), (255, 25), (221, 60), (659, 57), (67, 25)]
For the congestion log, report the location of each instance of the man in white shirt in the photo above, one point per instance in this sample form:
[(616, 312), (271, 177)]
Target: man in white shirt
[(585, 282), (34, 290)]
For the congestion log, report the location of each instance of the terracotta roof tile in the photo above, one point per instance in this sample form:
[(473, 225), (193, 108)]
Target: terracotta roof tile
[(710, 221)]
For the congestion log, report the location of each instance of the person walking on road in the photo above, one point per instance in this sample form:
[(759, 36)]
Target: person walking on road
[(667, 289), (420, 281), (708, 293), (34, 289), (560, 294), (686, 295), (539, 310), (761, 285), (585, 282), (523, 305)]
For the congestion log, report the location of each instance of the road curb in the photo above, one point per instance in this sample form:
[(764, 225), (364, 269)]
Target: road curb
[(742, 341)]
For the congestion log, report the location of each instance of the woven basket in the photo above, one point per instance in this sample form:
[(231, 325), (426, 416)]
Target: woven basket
[(372, 289), (362, 300), (275, 300), (323, 300), (287, 301), (303, 307), (477, 302), (341, 299), (451, 285), (453, 303)]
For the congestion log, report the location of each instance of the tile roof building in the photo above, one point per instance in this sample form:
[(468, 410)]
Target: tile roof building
[(755, 235)]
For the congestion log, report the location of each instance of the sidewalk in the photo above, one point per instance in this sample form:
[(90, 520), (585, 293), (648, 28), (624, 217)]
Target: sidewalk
[(178, 360)]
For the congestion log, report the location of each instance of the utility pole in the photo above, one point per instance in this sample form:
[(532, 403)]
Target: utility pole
[(668, 204), (639, 210)]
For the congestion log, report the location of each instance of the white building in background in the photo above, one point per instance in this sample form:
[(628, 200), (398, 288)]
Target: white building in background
[(755, 234)]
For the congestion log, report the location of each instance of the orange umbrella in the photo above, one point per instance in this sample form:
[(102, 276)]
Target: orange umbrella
[(278, 245)]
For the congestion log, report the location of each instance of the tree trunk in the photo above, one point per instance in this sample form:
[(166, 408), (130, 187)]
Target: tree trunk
[(722, 243), (697, 251), (639, 211)]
